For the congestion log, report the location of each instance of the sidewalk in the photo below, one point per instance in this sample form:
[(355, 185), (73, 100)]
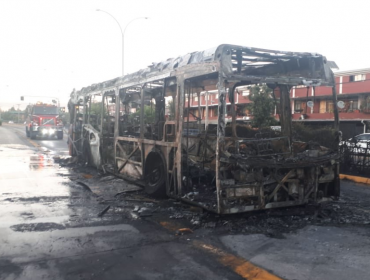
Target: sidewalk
[(356, 179)]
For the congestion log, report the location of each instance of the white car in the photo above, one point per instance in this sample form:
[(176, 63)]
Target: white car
[(358, 143)]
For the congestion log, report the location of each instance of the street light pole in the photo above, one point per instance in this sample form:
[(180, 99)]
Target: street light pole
[(123, 41), (123, 36)]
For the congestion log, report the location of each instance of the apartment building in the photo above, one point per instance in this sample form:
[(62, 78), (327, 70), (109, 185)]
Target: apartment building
[(205, 103), (311, 105), (314, 105)]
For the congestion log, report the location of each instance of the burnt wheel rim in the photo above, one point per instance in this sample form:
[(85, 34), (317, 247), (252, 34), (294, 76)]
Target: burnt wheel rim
[(155, 176)]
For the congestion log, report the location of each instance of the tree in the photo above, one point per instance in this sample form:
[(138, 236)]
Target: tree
[(27, 111), (96, 108), (172, 109), (149, 114), (10, 115), (65, 117), (262, 107)]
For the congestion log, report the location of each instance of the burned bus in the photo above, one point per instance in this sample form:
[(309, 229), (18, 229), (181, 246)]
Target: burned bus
[(123, 126)]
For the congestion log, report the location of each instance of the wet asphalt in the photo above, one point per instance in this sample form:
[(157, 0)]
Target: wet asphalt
[(50, 228)]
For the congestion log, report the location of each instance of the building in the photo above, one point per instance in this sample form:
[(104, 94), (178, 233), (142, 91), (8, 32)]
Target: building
[(205, 103), (311, 105), (315, 105)]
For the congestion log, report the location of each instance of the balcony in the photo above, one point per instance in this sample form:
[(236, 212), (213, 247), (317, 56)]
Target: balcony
[(328, 116)]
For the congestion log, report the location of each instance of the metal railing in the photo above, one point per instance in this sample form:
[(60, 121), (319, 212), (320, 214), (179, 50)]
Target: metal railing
[(355, 158)]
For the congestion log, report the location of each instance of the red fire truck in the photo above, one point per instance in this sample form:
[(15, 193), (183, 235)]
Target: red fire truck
[(43, 120)]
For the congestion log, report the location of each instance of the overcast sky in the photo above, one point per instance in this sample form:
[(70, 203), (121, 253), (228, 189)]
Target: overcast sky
[(47, 48)]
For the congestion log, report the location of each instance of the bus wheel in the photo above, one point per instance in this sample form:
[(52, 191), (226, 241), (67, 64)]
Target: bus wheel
[(155, 177)]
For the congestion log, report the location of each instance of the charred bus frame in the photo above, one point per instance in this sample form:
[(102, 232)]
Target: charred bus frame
[(120, 125)]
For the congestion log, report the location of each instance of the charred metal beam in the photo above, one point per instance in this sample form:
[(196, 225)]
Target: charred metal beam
[(116, 126), (221, 136), (206, 114), (180, 98), (199, 112), (285, 112), (335, 107), (281, 184), (142, 113), (233, 113), (127, 159)]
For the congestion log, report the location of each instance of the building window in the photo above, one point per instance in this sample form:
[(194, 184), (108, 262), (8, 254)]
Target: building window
[(216, 96), (356, 78), (329, 107), (353, 105), (298, 106), (365, 104), (246, 92), (196, 98)]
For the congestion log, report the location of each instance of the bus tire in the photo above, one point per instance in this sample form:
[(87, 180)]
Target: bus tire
[(155, 175)]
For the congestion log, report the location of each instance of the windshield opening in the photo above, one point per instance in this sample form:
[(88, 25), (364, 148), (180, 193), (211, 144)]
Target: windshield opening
[(45, 110)]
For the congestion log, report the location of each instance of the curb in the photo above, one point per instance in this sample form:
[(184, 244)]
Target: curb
[(356, 179)]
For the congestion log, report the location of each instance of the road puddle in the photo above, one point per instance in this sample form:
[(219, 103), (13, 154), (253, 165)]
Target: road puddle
[(32, 194)]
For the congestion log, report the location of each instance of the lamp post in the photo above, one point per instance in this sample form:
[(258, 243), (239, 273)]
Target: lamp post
[(123, 36)]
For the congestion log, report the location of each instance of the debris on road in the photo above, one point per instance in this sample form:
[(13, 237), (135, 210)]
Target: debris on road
[(87, 176), (86, 187), (30, 227), (134, 204), (107, 178), (65, 161), (104, 211), (183, 231), (128, 188)]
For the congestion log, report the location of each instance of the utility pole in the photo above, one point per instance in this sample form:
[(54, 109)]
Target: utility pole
[(123, 36)]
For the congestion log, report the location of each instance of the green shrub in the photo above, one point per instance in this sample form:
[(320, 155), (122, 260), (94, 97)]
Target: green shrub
[(323, 135)]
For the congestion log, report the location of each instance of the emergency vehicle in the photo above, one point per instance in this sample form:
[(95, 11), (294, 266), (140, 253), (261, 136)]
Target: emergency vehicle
[(43, 121)]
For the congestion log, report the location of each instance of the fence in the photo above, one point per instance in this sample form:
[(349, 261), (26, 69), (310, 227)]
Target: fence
[(355, 158)]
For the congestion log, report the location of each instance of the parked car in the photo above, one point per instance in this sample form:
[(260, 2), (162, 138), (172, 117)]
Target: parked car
[(10, 122), (358, 143)]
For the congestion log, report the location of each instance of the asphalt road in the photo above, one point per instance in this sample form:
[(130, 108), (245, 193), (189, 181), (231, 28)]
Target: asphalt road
[(16, 134), (53, 225)]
